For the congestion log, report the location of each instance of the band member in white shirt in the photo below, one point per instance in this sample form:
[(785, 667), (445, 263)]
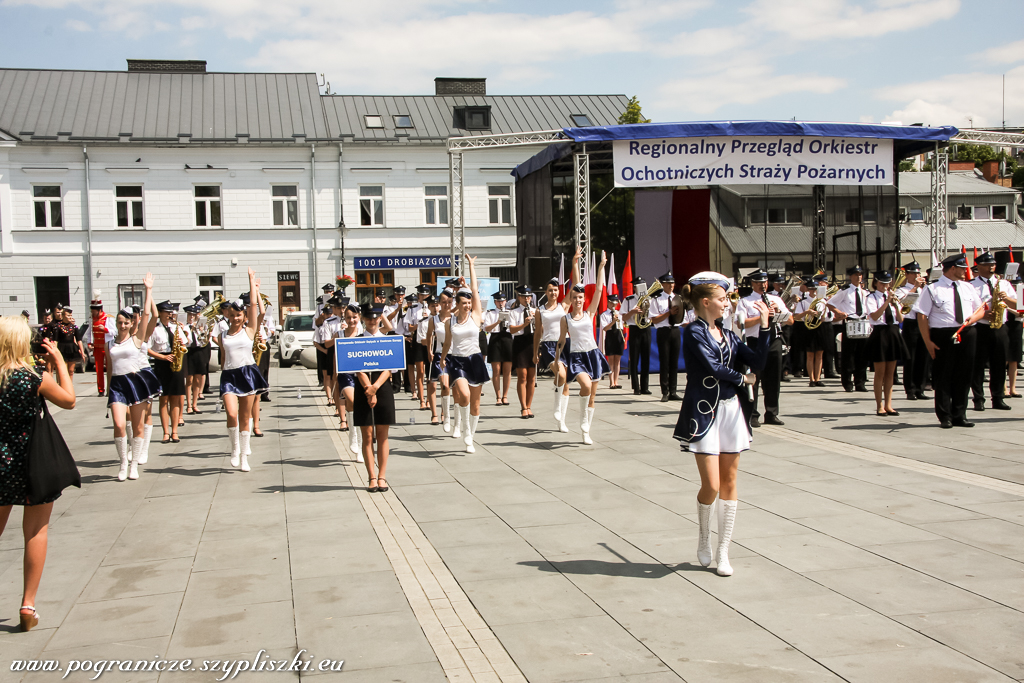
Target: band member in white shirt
[(769, 380), (415, 318), (993, 342), (330, 324), (172, 382), (917, 363), (614, 340), (664, 307), (639, 341), (521, 324), (462, 358), (850, 303), (499, 348), (885, 345)]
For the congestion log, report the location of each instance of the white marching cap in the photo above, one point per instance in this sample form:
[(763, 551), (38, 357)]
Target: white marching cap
[(710, 277)]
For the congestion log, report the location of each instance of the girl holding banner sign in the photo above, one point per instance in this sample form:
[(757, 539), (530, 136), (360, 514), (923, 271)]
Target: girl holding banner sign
[(345, 382), (373, 407), (467, 372)]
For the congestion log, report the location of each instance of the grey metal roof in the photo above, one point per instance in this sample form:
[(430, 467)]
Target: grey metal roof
[(958, 182), (981, 234), (432, 115), (89, 105)]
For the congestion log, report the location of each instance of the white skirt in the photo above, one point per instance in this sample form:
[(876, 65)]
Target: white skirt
[(728, 433)]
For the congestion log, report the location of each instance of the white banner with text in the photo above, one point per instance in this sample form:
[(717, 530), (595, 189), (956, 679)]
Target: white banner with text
[(753, 161)]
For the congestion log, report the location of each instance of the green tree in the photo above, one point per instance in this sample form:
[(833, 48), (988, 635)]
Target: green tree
[(633, 113), (979, 154), (907, 165)]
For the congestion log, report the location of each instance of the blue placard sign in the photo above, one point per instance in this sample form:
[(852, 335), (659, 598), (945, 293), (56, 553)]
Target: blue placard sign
[(371, 262), (369, 354)]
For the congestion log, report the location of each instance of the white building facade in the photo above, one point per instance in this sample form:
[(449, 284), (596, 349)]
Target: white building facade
[(107, 175)]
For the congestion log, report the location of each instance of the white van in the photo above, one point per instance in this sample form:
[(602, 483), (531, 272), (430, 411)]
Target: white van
[(296, 334)]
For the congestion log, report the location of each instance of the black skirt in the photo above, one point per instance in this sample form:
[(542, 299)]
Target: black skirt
[(886, 344), (522, 351), (1013, 332), (483, 344), (382, 414), (415, 352), (171, 383), (614, 342), (197, 360), (264, 366), (499, 348), (816, 339)]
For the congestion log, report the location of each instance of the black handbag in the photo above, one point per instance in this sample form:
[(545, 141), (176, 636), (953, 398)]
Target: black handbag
[(51, 467)]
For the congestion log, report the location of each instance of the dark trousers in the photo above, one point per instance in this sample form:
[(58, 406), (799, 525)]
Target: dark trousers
[(952, 370), (639, 357), (915, 367), (769, 380), (668, 358), (993, 347), (791, 361), (830, 358), (854, 362)]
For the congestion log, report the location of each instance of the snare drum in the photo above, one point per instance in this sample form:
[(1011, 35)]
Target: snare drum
[(858, 329)]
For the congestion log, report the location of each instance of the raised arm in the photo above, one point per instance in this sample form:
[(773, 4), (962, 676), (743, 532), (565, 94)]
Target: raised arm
[(144, 317), (477, 305), (596, 301), (255, 305)]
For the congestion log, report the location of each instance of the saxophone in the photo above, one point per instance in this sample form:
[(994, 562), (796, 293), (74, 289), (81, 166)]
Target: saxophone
[(178, 350), (258, 344), (998, 307)]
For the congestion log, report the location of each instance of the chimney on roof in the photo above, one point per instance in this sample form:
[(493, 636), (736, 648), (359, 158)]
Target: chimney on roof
[(173, 66), (460, 86)]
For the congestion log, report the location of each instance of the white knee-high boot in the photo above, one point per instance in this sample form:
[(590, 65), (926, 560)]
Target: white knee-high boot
[(235, 452), (584, 419), (457, 427), (704, 554), (138, 443), (563, 410), (147, 434), (121, 444), (446, 412), (243, 446), (471, 422), (559, 408), (128, 426), (726, 522), (590, 421)]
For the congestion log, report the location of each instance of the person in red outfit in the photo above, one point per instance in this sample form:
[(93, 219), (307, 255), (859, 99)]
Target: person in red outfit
[(103, 329)]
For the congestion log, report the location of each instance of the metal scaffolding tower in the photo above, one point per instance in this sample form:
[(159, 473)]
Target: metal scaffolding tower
[(993, 138), (818, 244), (582, 194), (455, 206), (940, 205)]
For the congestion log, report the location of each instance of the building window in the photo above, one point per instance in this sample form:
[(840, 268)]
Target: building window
[(403, 121), (285, 204), (981, 213), (208, 206), (917, 214), (964, 213), (756, 216), (580, 120), (430, 277), (795, 216), (131, 295), (436, 204), (776, 215), (369, 280), (374, 121), (210, 286), (499, 204), (472, 118), (48, 210), (999, 213), (852, 216), (371, 205), (870, 215), (128, 199)]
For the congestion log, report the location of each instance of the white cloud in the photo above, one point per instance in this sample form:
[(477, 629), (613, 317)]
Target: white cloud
[(78, 25), (1011, 53), (959, 99), (812, 20)]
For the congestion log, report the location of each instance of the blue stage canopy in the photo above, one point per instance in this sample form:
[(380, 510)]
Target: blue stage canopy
[(908, 140)]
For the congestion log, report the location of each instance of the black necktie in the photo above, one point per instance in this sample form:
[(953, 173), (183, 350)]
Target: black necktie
[(889, 320), (958, 307), (860, 308)]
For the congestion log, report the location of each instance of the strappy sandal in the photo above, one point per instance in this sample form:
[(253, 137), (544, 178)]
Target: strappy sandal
[(344, 426), (504, 400), (29, 621), (434, 421), (371, 489), (382, 489)]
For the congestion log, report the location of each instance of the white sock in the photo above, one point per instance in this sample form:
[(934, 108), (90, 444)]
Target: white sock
[(138, 443), (359, 445), (590, 424), (235, 452), (584, 423), (147, 433), (243, 445), (447, 412), (563, 406), (457, 427), (128, 427), (121, 445), (467, 426), (726, 523), (559, 410)]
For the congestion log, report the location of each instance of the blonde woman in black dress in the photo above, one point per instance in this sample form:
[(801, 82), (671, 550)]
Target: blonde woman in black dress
[(373, 408)]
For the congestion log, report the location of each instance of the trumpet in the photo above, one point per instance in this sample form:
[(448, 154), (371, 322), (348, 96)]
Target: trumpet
[(814, 319), (643, 305)]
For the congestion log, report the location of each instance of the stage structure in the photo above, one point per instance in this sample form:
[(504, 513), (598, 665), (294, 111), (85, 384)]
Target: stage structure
[(715, 153)]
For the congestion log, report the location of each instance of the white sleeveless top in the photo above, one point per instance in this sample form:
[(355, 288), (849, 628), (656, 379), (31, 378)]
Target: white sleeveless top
[(465, 337), (237, 350), (551, 323), (581, 334), (440, 334), (143, 357), (124, 357)]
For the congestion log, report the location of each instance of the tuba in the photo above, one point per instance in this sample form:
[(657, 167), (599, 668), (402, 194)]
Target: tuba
[(212, 309), (643, 305), (788, 295), (178, 350), (812, 309)]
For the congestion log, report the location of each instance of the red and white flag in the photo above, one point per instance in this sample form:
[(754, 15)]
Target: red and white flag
[(561, 279)]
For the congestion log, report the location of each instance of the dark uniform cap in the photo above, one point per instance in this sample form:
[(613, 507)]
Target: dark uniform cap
[(424, 289), (854, 270), (638, 280), (808, 281), (954, 261), (430, 299), (777, 278), (524, 290), (613, 298), (499, 296), (411, 298), (319, 300), (452, 283), (578, 288), (758, 276), (822, 277), (667, 277), (328, 287), (912, 267), (165, 306), (448, 292), (244, 296), (556, 282), (371, 311), (200, 298), (380, 292), (985, 257), (883, 276), (400, 289)]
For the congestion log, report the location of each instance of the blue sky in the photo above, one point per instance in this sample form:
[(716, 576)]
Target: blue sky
[(930, 61)]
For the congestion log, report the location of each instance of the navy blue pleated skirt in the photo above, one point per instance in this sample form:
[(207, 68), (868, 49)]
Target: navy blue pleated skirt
[(243, 381), (473, 369), (434, 372), (130, 390), (151, 380), (592, 363), (346, 380), (547, 354)]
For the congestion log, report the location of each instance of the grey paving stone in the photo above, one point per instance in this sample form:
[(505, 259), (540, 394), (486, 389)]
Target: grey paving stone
[(127, 650), (256, 583), (811, 552), (994, 535), (493, 561), (991, 636), (475, 531), (932, 664), (133, 580), (538, 514), (214, 629), (863, 528), (370, 641), (146, 616), (434, 502), (427, 672), (522, 599)]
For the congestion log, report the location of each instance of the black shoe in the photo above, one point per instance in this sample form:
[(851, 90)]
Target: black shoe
[(664, 398), (911, 397), (962, 423), (645, 392), (920, 395), (862, 389), (266, 397), (787, 378), (675, 397), (101, 393), (819, 383), (636, 392), (831, 376), (979, 406), (848, 388), (770, 419), (998, 404), (945, 424), (753, 422)]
